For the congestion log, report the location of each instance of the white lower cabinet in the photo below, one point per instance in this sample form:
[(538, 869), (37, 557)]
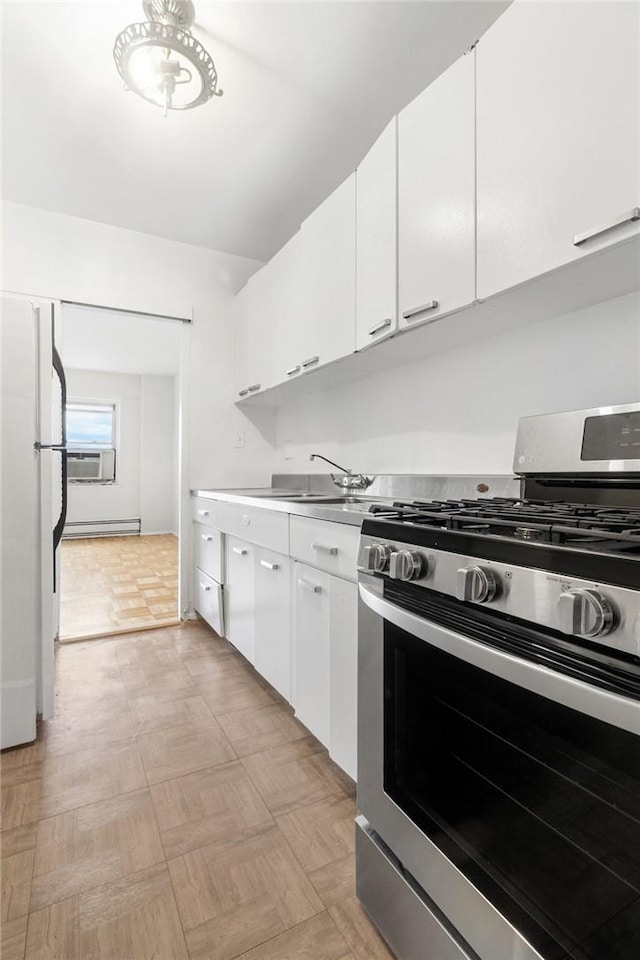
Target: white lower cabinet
[(272, 593), (311, 649), (296, 623), (208, 600), (343, 674), (239, 597), (325, 658)]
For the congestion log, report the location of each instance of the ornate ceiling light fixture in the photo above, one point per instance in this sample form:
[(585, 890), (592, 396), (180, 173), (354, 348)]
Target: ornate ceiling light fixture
[(162, 61)]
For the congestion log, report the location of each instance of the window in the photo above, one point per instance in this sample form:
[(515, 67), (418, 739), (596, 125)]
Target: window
[(90, 424)]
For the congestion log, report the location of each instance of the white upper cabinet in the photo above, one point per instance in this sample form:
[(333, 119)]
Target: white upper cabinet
[(240, 319), (262, 310), (376, 240), (436, 197), (558, 136), (290, 301), (326, 329), (254, 353)]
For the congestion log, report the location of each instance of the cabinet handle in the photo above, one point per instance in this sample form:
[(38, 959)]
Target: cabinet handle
[(269, 566), (203, 513), (253, 387), (310, 362), (431, 305), (324, 548), (308, 585), (206, 537), (380, 326), (293, 370), (205, 587), (628, 217), (243, 393), (239, 551)]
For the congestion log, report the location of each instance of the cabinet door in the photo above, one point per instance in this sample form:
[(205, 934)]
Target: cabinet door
[(343, 674), (240, 339), (272, 591), (208, 600), (311, 652), (376, 240), (239, 597), (328, 274), (290, 300), (260, 330), (436, 197), (558, 136), (207, 549)]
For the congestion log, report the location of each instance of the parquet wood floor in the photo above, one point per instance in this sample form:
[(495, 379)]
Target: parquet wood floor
[(160, 816), (109, 584)]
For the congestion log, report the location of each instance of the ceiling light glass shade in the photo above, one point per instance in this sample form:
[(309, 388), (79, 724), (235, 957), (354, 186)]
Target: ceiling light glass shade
[(162, 61)]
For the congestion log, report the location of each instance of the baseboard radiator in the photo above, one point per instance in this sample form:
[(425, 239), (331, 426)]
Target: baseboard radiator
[(75, 529)]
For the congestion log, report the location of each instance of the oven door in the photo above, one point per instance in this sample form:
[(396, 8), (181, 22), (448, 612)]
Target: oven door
[(507, 784)]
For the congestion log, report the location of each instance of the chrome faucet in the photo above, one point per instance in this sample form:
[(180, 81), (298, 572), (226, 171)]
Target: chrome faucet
[(346, 480)]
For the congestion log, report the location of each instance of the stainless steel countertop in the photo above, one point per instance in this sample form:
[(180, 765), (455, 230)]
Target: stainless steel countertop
[(315, 496), (313, 505)]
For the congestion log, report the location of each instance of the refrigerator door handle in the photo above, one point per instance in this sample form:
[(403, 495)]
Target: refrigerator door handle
[(62, 447), (59, 369)]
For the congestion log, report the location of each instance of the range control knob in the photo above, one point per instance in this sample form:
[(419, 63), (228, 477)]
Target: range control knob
[(406, 565), (585, 613), (476, 584), (376, 557)]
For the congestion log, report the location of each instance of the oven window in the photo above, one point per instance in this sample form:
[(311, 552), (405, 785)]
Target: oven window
[(538, 805)]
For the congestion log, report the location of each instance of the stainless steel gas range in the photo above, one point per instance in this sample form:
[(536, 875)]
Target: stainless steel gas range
[(499, 707)]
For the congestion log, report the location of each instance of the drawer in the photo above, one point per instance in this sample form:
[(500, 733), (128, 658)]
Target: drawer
[(267, 528), (204, 511), (328, 546), (207, 551), (208, 600)]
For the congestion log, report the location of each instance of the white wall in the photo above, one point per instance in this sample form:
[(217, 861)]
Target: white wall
[(146, 451), (62, 257), (159, 456), (457, 412)]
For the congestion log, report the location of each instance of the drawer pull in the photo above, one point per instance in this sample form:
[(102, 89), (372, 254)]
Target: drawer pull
[(203, 513), (269, 566), (205, 587), (239, 551), (254, 387), (380, 326), (206, 537), (324, 548), (310, 362), (309, 585), (431, 305), (629, 217), (290, 372)]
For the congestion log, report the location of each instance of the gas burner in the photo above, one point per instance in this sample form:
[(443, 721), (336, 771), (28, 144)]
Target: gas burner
[(578, 525)]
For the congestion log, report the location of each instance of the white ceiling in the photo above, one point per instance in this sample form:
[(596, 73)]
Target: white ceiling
[(307, 88), (115, 342)]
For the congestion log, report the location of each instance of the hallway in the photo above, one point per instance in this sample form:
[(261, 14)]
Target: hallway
[(175, 808)]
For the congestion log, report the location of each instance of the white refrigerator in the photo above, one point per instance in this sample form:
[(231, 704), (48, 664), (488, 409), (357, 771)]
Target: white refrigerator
[(32, 512)]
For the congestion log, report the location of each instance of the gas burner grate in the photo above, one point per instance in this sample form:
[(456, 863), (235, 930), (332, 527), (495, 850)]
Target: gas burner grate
[(606, 529)]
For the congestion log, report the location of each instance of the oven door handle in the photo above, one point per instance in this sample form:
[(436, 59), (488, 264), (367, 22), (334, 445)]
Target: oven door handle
[(584, 697)]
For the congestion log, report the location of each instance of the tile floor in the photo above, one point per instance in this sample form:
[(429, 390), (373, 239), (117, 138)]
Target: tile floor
[(175, 808), (117, 583)]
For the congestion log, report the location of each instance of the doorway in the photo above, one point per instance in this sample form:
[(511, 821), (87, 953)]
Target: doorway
[(119, 556)]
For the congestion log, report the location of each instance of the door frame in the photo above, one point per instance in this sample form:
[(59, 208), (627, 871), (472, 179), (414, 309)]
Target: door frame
[(184, 517)]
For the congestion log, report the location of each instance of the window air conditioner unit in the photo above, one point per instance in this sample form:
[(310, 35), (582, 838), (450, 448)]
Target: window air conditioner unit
[(86, 466)]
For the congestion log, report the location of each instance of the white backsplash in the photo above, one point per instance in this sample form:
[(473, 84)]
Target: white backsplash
[(458, 411)]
